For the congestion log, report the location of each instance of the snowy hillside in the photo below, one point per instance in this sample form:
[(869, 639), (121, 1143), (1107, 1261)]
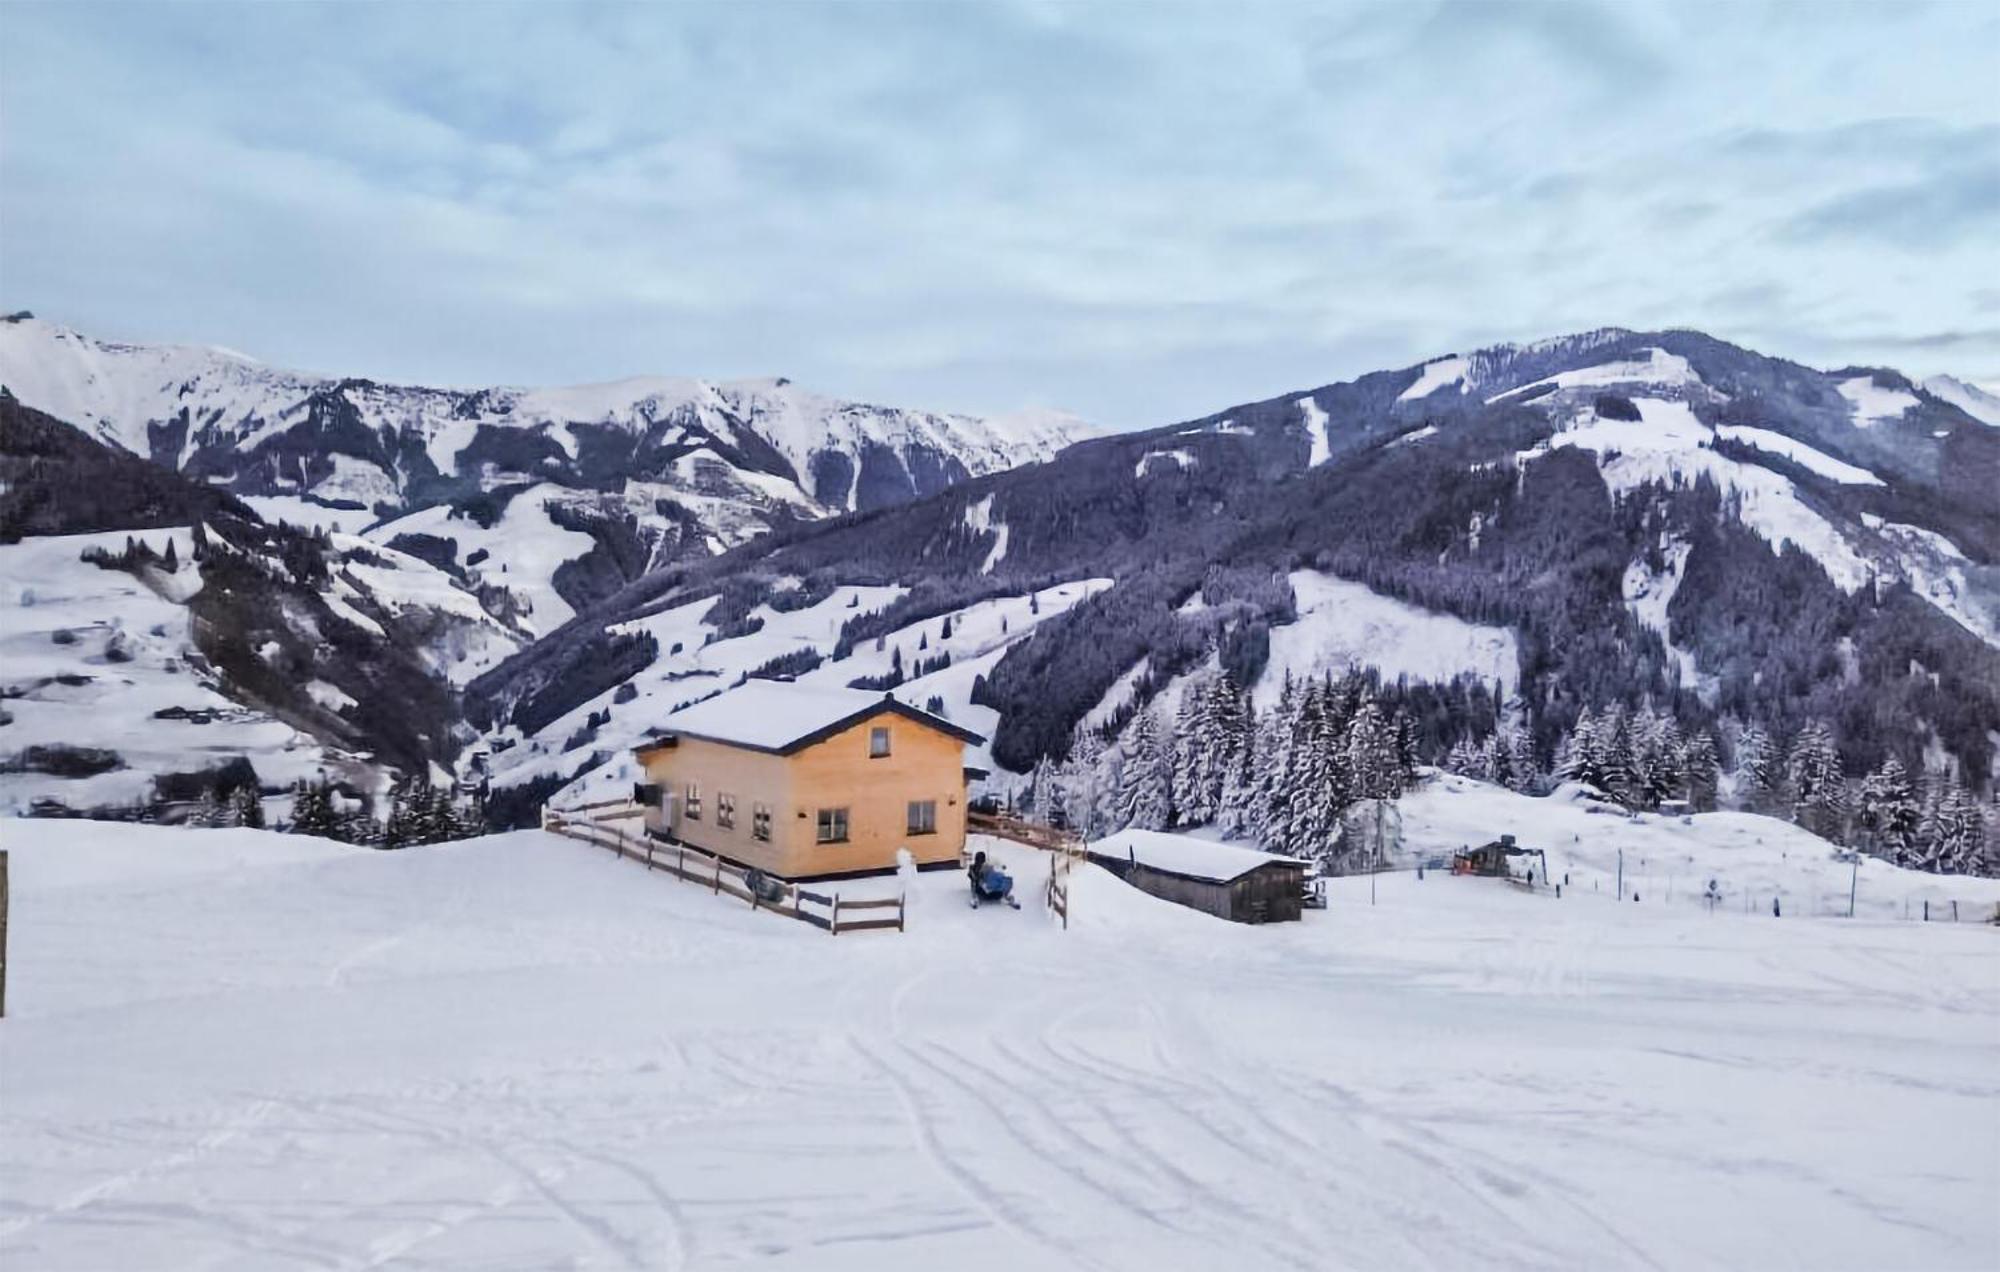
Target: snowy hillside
[(220, 412), (519, 1051), (657, 468), (697, 661), (105, 691)]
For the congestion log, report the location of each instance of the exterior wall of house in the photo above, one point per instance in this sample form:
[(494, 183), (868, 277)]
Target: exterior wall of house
[(752, 777), (835, 772)]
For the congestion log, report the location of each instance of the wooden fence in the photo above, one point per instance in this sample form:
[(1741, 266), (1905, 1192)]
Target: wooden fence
[(1058, 893), (1034, 834), (823, 911)]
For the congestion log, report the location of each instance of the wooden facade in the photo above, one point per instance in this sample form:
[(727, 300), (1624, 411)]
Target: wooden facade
[(837, 801), (1272, 892)]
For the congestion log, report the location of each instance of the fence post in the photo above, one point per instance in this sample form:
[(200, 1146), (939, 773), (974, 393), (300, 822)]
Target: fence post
[(833, 928), (902, 899), (718, 876), (3, 931)]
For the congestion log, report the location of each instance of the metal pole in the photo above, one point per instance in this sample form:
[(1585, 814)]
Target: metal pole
[(1621, 874), (1853, 885)]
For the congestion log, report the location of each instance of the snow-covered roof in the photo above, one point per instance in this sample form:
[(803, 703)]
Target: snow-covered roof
[(783, 716), (1186, 855)]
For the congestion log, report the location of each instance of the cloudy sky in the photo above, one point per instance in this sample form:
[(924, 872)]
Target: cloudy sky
[(1140, 212)]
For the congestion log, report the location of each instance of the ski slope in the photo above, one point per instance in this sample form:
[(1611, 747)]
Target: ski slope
[(231, 1049)]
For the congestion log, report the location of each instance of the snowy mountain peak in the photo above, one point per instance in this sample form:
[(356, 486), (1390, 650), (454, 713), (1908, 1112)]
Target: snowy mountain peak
[(1982, 404)]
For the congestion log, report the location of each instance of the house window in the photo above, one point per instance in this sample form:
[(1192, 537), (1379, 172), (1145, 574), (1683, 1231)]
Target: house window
[(833, 825), (725, 810), (760, 822), (694, 801), (923, 817), (878, 742)]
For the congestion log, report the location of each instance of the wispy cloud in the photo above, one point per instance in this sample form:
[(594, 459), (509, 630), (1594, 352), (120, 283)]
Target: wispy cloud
[(1143, 213)]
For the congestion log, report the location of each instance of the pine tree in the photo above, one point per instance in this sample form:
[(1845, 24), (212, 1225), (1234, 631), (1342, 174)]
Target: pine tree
[(1887, 813), (312, 810), (1464, 759), (1082, 777), (1756, 767), (1526, 767), (245, 808), (1145, 788), (1374, 765), (1581, 752), (1813, 778), (1704, 771)]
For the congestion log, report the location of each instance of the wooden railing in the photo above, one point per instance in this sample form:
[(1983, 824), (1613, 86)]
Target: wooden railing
[(1058, 889), (1021, 831), (584, 823)]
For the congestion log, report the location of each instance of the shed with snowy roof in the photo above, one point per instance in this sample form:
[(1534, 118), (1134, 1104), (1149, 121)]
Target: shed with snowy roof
[(809, 781), (1230, 881)]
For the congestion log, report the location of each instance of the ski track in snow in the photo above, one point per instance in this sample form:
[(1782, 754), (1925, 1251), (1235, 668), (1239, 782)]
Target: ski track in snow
[(520, 1052)]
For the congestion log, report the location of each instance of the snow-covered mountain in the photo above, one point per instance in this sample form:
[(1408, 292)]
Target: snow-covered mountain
[(1981, 403), (1614, 516), (1513, 533), (646, 470)]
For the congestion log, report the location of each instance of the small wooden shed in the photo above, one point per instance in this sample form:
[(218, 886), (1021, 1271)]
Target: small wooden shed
[(1243, 885)]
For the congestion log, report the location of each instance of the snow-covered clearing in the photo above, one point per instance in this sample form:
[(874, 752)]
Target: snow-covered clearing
[(979, 520), (1669, 444), (1872, 403), (306, 514), (238, 1050), (1315, 420), (1807, 457), (90, 657), (1982, 404), (1435, 376), (1647, 595), (1345, 624), (1659, 369), (523, 550), (691, 668)]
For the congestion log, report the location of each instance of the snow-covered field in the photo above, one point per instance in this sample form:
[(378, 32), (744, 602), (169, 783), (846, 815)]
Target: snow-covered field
[(1342, 623), (229, 1049), (91, 657)]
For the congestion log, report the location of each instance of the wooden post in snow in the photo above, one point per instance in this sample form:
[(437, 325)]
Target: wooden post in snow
[(3, 931)]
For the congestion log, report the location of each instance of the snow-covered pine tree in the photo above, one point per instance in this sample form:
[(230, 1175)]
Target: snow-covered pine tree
[(1374, 766), (1464, 759), (1887, 813), (1526, 766), (1496, 761), (1192, 748), (1145, 787), (1757, 773), (1813, 779), (1614, 760), (1704, 771), (1581, 752), (399, 828), (1960, 845), (1081, 777), (312, 810), (1040, 778), (245, 808), (1666, 765)]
